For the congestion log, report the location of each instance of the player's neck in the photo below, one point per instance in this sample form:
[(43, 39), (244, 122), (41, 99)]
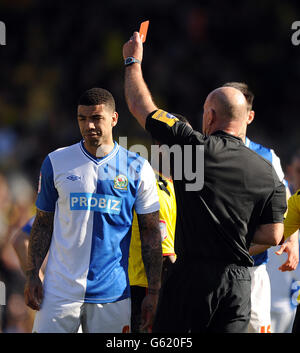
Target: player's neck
[(100, 150)]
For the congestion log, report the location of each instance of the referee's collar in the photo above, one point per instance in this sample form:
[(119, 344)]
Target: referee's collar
[(221, 132)]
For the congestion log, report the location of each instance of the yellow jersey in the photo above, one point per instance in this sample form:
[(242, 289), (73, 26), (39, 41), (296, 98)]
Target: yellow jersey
[(167, 222), (292, 220)]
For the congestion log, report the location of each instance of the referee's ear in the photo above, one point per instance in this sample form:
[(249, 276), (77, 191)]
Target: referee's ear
[(250, 117)]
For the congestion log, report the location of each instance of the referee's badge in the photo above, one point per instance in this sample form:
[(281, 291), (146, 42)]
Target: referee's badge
[(121, 182), (165, 117)]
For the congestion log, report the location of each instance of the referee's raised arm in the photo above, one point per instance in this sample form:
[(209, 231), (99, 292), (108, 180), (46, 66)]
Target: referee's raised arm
[(138, 96)]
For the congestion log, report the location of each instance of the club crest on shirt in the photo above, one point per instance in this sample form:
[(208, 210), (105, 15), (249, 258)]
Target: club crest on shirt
[(121, 182)]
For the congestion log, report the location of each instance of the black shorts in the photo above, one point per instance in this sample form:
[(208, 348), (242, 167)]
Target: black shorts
[(205, 297)]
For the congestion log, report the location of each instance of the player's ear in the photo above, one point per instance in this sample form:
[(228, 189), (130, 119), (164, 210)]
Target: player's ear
[(211, 117), (250, 117), (114, 120)]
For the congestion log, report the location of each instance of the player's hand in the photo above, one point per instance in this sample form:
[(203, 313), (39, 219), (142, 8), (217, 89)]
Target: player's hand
[(149, 306), (134, 47), (292, 249), (33, 292)]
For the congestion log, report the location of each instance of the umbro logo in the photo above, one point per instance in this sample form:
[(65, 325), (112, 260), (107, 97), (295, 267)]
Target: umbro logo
[(74, 177)]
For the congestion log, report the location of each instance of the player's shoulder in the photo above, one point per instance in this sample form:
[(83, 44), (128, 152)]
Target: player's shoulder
[(258, 156), (63, 152), (258, 148), (264, 153), (131, 156)]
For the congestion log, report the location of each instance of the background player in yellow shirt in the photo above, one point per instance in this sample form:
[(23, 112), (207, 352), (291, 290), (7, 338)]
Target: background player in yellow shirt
[(291, 225)]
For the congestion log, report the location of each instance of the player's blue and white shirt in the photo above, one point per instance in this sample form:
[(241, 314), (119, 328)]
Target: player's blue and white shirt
[(93, 200), (269, 155)]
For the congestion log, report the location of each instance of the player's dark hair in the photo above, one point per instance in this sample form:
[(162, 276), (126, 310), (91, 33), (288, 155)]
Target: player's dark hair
[(97, 96), (243, 87)]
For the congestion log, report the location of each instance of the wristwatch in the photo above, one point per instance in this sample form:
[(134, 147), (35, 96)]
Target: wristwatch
[(131, 60)]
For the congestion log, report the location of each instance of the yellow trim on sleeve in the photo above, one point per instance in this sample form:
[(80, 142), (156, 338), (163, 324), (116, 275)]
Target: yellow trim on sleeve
[(165, 117)]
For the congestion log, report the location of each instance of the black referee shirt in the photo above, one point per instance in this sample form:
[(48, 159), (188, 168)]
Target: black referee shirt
[(241, 191)]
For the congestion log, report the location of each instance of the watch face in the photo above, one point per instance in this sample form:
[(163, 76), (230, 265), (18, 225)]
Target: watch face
[(130, 60)]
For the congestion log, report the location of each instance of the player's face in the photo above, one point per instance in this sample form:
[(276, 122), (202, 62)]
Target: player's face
[(96, 123)]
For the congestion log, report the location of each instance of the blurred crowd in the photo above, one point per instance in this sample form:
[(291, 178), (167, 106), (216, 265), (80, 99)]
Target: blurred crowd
[(57, 50), (17, 198)]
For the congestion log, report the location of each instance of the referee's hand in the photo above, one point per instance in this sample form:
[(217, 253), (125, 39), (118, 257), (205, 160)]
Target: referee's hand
[(134, 47), (33, 292)]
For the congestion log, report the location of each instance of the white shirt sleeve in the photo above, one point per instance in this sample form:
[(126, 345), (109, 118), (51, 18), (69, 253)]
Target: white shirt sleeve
[(277, 165), (147, 198)]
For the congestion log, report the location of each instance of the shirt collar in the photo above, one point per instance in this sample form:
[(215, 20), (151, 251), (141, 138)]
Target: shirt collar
[(221, 132), (96, 159)]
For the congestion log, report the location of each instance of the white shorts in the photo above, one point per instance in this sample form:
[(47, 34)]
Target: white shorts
[(260, 321), (58, 315)]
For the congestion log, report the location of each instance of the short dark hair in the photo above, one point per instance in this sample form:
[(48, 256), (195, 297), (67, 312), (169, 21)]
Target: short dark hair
[(243, 87), (97, 96)]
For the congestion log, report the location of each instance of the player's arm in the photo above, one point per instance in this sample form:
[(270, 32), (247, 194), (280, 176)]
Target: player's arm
[(41, 234), (39, 243), (137, 94), (147, 210), (152, 258)]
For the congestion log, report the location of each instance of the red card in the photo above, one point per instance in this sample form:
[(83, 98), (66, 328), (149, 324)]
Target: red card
[(143, 30)]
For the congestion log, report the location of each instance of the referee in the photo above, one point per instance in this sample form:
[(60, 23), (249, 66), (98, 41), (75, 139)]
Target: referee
[(242, 201)]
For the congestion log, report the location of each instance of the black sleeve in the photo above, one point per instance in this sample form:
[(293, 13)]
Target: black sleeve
[(275, 207), (167, 129)]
